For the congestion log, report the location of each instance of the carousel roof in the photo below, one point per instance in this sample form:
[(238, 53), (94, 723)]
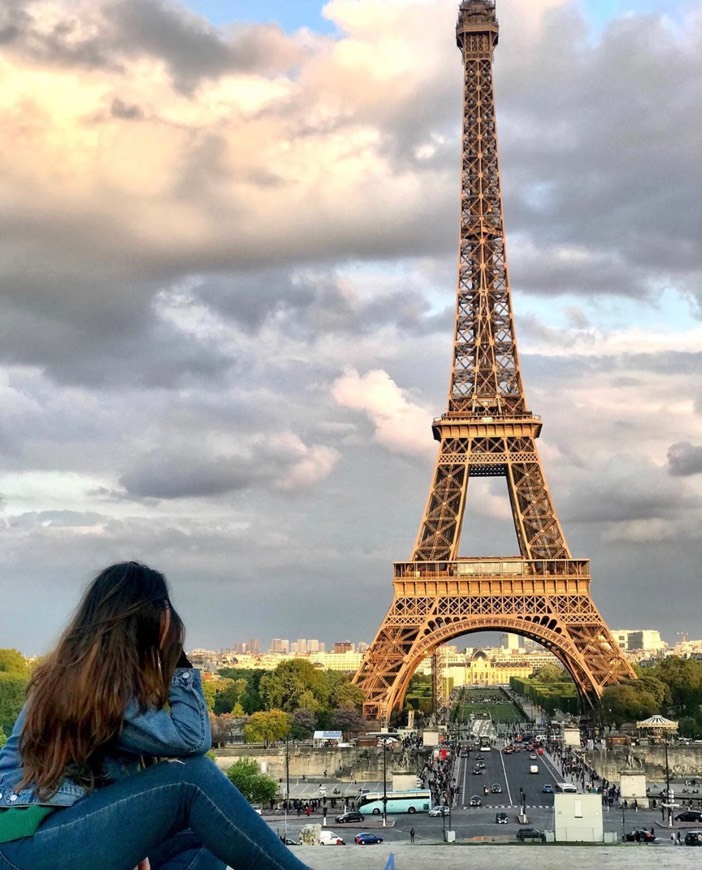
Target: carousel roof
[(657, 721)]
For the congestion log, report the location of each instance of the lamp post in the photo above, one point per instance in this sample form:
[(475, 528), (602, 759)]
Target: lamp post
[(385, 784), (287, 787), (323, 794), (668, 795)]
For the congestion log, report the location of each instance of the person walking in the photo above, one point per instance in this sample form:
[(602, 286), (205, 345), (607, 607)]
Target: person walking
[(106, 767), (412, 835)]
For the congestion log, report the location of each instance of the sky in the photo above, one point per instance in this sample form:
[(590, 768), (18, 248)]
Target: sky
[(228, 271)]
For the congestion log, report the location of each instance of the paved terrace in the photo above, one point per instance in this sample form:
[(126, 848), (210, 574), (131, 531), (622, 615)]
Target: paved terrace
[(459, 856)]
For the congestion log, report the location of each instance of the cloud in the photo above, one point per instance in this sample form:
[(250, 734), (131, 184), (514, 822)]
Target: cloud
[(228, 271), (684, 459), (399, 424)]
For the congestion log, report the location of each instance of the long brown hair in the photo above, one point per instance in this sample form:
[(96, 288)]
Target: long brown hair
[(119, 645)]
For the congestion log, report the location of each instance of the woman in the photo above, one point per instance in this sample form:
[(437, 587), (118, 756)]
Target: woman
[(105, 767)]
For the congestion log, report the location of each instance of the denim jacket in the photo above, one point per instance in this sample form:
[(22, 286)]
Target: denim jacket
[(182, 730)]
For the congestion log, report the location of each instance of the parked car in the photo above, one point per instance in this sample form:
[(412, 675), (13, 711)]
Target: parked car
[(689, 816), (530, 834), (640, 835), (547, 789), (329, 838), (366, 839), (501, 818), (350, 817), (496, 788), (439, 811), (693, 838), (475, 801)]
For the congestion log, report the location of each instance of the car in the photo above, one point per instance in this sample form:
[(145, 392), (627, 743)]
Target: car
[(329, 838), (547, 789), (496, 788), (480, 764), (477, 771), (350, 817), (530, 834), (508, 750), (367, 839), (480, 757), (533, 768), (439, 811), (640, 835), (693, 838), (533, 756), (689, 816), (501, 818), (475, 801)]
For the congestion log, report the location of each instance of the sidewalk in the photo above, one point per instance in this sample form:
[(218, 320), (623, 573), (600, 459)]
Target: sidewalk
[(478, 857)]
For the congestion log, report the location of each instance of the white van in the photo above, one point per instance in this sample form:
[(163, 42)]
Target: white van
[(533, 768), (566, 788)]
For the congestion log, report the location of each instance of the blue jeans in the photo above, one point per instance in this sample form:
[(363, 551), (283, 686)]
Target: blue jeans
[(181, 814)]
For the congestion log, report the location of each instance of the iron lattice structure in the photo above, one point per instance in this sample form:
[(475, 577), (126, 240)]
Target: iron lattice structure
[(487, 430)]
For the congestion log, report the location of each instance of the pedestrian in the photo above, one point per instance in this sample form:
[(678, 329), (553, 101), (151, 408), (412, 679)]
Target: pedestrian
[(81, 781), (678, 840), (411, 835)]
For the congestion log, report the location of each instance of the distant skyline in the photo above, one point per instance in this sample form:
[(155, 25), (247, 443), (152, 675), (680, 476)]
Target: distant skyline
[(228, 271)]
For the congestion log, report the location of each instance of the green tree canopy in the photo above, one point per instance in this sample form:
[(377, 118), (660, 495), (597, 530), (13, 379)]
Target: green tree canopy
[(551, 674), (254, 785), (13, 688), (347, 694), (13, 662), (250, 699), (267, 726), (293, 684), (229, 698)]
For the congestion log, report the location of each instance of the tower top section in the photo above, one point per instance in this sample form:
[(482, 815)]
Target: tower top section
[(477, 16)]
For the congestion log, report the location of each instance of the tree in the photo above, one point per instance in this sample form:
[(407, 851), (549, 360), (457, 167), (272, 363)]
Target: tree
[(267, 726), (13, 688), (255, 786), (347, 694), (293, 684), (229, 697), (223, 728), (250, 700), (304, 722), (13, 662), (348, 720), (551, 674), (627, 702)]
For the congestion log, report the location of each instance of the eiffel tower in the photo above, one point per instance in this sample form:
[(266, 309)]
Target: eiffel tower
[(487, 431)]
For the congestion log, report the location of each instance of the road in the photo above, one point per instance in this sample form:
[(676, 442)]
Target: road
[(511, 773)]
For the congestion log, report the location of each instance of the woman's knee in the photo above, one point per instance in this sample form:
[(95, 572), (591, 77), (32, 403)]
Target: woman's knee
[(198, 767)]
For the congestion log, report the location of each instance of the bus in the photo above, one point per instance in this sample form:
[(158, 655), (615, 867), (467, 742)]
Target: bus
[(417, 801), (484, 743)]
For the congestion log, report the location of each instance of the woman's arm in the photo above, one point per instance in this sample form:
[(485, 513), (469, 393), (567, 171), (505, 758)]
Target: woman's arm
[(182, 730)]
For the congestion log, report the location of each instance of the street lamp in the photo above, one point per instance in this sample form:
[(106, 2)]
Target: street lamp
[(287, 787), (323, 794), (385, 784), (668, 795)]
